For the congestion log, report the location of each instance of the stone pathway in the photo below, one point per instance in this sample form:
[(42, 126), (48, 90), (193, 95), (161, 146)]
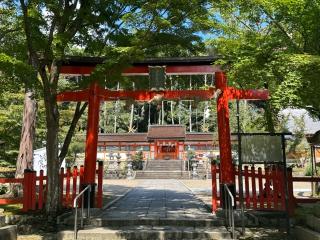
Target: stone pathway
[(160, 199)]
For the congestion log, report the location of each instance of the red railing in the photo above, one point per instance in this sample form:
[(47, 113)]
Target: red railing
[(35, 187), (262, 188)]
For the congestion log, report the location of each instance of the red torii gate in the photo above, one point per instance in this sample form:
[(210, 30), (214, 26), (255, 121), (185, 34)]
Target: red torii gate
[(94, 94)]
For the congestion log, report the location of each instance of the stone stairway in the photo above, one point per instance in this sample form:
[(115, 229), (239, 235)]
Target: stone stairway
[(155, 210), (163, 169), (146, 229), (310, 229)]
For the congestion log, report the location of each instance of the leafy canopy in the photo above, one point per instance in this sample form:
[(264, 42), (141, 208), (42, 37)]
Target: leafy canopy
[(272, 44)]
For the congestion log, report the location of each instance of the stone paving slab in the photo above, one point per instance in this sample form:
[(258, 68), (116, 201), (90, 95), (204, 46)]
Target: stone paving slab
[(147, 233), (160, 198)]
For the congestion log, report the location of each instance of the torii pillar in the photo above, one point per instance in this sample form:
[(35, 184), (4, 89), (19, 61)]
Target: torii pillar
[(92, 95), (226, 94), (92, 140)]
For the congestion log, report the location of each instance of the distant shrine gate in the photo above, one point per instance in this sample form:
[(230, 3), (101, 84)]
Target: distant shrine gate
[(174, 66)]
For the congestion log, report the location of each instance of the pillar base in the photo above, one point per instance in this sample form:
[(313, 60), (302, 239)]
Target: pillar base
[(91, 196), (223, 192)]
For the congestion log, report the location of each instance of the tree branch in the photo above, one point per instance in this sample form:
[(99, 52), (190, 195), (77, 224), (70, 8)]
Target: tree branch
[(77, 114), (281, 28), (8, 31)]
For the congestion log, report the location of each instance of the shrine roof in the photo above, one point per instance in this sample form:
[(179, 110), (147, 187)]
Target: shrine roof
[(122, 137), (199, 136), (166, 132)]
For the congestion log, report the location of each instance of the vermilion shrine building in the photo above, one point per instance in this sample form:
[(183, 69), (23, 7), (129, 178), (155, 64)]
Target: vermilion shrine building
[(160, 142)]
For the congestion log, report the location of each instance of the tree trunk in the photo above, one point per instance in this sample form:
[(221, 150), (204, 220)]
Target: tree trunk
[(53, 202), (269, 118), (162, 112), (25, 157), (53, 164), (131, 119), (190, 117), (171, 110)]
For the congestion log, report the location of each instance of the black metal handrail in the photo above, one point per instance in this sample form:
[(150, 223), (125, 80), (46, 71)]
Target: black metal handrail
[(75, 206), (229, 204)]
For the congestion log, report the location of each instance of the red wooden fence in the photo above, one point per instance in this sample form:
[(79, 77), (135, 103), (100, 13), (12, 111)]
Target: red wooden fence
[(35, 187), (262, 188)]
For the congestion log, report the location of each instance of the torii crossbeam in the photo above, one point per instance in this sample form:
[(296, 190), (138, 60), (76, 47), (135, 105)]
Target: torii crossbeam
[(95, 94)]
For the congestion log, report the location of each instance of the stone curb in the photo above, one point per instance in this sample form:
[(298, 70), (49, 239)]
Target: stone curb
[(8, 232)]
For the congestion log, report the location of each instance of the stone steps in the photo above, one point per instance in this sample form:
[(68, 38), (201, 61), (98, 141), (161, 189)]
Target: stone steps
[(162, 175), (310, 231), (163, 169), (157, 209), (304, 233), (147, 233), (202, 223)]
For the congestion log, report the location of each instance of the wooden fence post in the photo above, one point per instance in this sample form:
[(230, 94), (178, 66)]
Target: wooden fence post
[(214, 186), (267, 187), (61, 185), (74, 182), (41, 197), (29, 190), (290, 192), (275, 187), (81, 177), (26, 190), (282, 184), (254, 190), (68, 199), (246, 186), (100, 184), (261, 192), (33, 195)]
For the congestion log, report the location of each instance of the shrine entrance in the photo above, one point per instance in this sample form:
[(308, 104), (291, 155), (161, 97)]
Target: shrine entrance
[(166, 150), (157, 70)]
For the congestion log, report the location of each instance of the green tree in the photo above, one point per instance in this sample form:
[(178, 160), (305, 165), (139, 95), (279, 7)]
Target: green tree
[(12, 48), (121, 30), (273, 44)]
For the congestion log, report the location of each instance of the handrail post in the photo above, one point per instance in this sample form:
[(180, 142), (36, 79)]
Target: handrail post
[(75, 224), (75, 205), (82, 206), (88, 208), (229, 209)]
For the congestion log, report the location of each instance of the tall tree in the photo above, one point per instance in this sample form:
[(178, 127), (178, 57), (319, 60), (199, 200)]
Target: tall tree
[(122, 30), (12, 43), (273, 44)]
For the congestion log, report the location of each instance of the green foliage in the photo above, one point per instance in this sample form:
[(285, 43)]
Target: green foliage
[(308, 169), (76, 147), (137, 161), (11, 109), (3, 189), (272, 44), (299, 142)]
